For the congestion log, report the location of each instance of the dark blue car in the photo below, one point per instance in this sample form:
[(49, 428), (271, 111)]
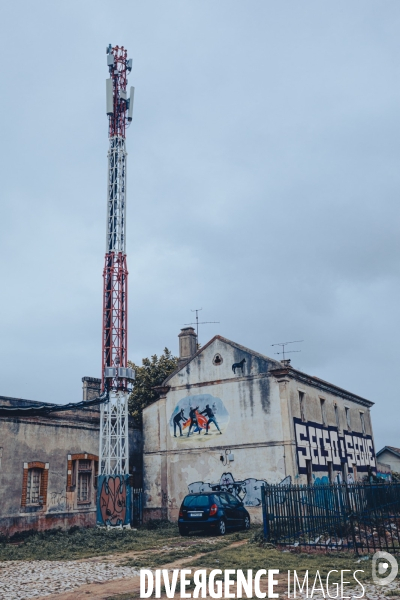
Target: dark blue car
[(212, 511)]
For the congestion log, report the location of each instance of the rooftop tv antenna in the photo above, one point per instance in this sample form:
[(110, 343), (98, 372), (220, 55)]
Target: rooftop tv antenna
[(197, 310), (283, 344)]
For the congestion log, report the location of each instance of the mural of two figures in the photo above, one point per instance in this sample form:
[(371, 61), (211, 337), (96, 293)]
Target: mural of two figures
[(198, 415), (114, 501)]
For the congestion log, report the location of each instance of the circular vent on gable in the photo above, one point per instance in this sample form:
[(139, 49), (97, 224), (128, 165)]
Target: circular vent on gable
[(217, 360)]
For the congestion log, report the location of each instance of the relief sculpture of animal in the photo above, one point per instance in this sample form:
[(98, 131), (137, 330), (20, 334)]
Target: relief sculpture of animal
[(238, 365)]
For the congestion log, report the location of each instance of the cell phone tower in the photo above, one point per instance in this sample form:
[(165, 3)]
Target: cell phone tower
[(114, 451)]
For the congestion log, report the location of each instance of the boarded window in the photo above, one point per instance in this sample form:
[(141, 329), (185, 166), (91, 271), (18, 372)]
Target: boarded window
[(85, 465), (323, 411), (82, 477), (362, 419), (301, 402), (84, 487), (348, 418), (33, 486), (337, 417)]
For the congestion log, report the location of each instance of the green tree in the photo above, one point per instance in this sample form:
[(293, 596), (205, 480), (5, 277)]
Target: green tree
[(152, 372)]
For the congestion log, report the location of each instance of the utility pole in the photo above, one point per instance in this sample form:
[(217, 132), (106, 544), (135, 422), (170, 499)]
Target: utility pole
[(113, 506)]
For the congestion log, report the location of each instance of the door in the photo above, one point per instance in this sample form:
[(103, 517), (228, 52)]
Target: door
[(238, 512), (229, 509)]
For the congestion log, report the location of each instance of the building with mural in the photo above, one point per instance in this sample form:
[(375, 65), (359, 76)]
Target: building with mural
[(230, 418), (49, 463)]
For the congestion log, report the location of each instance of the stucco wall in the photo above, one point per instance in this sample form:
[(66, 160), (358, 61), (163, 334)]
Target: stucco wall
[(390, 459), (256, 409), (252, 431), (50, 440)]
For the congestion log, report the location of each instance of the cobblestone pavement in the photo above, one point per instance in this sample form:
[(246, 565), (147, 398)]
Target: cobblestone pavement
[(20, 580)]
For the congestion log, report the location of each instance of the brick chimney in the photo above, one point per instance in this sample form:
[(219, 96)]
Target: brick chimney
[(187, 345), (91, 388)]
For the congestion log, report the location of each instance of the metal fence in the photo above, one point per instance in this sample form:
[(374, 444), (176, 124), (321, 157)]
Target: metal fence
[(361, 517)]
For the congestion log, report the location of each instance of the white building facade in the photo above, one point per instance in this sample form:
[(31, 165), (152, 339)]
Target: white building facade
[(231, 418)]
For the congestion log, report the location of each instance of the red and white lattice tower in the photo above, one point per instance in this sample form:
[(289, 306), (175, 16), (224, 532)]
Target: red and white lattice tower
[(113, 452)]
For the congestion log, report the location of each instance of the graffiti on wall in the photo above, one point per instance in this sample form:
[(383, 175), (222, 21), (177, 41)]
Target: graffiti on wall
[(113, 506), (323, 445), (247, 490), (198, 415)]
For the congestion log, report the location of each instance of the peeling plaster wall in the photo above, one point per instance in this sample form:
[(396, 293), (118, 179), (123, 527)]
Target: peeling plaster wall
[(50, 440), (254, 431), (259, 430), (313, 414), (389, 458)]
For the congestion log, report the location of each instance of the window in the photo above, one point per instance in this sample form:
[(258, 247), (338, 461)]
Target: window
[(233, 501), (82, 477), (337, 419), (224, 499), (301, 402), (84, 487), (362, 419), (323, 411), (348, 417), (34, 484), (196, 501)]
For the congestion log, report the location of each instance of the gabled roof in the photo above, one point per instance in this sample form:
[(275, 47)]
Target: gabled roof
[(392, 449), (230, 343), (281, 370)]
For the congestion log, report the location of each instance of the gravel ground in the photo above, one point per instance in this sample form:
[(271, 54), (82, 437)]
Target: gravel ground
[(20, 580)]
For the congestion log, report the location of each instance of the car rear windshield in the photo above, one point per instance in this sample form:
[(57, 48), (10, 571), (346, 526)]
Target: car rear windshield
[(195, 501)]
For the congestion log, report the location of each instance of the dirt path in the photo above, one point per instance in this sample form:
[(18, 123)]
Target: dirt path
[(102, 591)]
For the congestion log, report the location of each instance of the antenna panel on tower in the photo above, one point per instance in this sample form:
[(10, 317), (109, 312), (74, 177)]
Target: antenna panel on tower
[(109, 97), (131, 97)]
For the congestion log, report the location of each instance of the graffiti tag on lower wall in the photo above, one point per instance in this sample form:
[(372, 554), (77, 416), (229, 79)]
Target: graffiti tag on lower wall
[(113, 506), (323, 445), (247, 490), (198, 415)]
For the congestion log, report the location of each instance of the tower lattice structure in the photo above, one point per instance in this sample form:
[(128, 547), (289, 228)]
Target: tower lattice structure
[(114, 451)]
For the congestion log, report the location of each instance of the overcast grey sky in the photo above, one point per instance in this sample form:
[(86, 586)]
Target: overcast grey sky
[(263, 186)]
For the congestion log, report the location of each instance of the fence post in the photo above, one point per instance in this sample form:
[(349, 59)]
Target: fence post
[(351, 516), (264, 514)]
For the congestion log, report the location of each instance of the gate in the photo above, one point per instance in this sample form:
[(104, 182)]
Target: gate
[(362, 517), (137, 507)]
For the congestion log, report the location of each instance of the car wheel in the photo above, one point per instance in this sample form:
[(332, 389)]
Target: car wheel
[(246, 523), (221, 527), (183, 531)]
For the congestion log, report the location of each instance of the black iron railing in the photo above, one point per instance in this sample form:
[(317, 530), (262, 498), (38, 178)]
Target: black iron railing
[(362, 517)]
